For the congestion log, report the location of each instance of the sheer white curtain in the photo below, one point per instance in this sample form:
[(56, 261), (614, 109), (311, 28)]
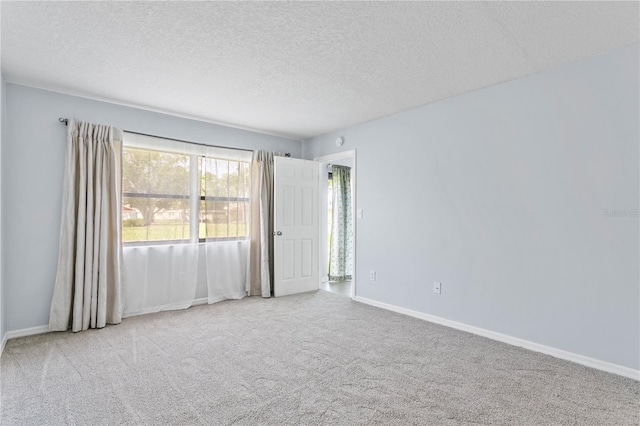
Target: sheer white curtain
[(160, 261), (165, 275), (88, 287), (226, 269), (159, 277), (225, 209)]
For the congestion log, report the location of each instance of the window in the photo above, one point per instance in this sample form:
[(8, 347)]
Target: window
[(224, 199), (176, 192)]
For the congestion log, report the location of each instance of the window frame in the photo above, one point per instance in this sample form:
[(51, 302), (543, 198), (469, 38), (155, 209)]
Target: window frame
[(195, 196)]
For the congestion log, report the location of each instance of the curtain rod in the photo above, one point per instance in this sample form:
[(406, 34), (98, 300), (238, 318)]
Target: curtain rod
[(66, 122)]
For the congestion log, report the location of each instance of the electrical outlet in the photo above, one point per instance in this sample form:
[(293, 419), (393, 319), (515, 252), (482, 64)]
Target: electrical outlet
[(437, 289), (372, 275)]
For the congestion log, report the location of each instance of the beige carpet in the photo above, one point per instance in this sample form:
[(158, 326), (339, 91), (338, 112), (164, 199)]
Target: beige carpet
[(316, 358)]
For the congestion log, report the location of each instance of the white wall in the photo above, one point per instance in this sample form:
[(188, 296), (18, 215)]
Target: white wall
[(32, 170), (3, 110), (501, 194)]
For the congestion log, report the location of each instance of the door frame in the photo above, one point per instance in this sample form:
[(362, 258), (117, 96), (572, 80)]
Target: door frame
[(323, 160)]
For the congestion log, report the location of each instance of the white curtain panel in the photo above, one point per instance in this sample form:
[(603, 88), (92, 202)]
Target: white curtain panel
[(226, 269), (88, 287), (159, 277)]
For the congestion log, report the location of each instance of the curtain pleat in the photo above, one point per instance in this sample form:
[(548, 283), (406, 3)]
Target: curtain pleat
[(88, 287), (260, 273), (340, 246)]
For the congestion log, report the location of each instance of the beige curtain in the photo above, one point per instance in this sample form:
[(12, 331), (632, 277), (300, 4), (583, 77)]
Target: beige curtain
[(260, 274), (88, 288)]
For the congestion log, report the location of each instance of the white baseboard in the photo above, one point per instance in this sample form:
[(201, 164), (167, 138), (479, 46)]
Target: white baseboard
[(45, 328), (41, 329), (536, 347), (3, 344)]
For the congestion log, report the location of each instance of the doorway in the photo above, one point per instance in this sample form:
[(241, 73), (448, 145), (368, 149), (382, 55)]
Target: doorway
[(337, 223)]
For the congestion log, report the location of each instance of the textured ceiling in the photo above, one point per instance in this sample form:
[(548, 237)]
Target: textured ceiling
[(297, 69)]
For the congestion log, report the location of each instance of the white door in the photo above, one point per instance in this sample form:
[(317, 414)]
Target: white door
[(296, 226)]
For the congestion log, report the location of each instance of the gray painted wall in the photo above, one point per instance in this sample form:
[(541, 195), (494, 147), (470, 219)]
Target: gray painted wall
[(501, 194), (32, 171)]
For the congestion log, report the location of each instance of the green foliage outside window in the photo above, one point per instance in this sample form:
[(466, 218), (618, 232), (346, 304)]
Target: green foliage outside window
[(157, 196)]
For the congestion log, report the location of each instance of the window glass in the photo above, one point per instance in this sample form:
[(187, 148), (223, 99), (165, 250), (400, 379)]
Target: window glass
[(155, 187), (159, 187), (224, 203)]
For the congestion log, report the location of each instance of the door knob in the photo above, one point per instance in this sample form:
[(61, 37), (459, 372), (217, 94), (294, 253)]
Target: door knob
[(277, 233)]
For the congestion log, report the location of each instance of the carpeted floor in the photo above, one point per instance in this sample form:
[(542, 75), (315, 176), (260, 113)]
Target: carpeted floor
[(342, 288), (316, 358)]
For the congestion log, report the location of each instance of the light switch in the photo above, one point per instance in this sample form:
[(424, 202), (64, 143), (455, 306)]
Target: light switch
[(359, 213)]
